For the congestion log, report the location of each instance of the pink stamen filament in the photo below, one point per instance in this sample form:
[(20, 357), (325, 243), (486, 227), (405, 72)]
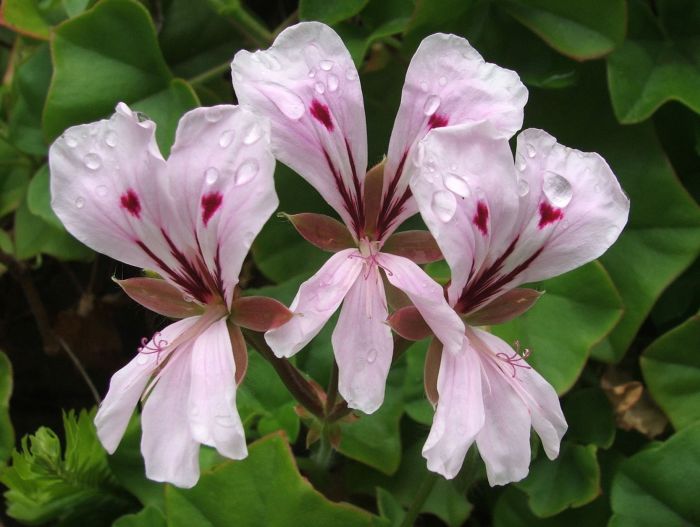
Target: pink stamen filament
[(516, 360), (156, 345)]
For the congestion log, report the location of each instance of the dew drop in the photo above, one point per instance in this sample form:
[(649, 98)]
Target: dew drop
[(247, 171), (320, 87), (456, 184), (557, 189), (287, 102), (142, 359), (596, 188), (312, 73), (351, 74), (187, 297), (332, 82), (523, 187), (111, 138), (431, 105), (520, 163), (141, 117), (531, 152), (226, 138), (101, 191), (71, 141), (326, 65), (371, 356), (213, 114), (79, 202), (424, 86), (254, 134), (442, 81), (211, 175), (225, 420), (92, 161), (444, 205), (419, 155)]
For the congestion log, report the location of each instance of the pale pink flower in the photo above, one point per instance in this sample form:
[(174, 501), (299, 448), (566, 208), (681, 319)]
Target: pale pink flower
[(192, 219), (501, 223), (308, 86)]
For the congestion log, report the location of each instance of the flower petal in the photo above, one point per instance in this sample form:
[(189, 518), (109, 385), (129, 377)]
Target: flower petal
[(128, 384), (213, 416), (170, 452), (427, 295), (447, 83), (574, 209), (315, 302), (308, 87), (535, 392), (464, 183), (221, 178), (109, 189), (459, 415), (363, 344)]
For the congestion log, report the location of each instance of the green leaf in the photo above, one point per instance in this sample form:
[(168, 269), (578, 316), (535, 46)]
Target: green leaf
[(590, 417), (279, 251), (39, 198), (375, 439), (389, 507), (671, 368), (7, 433), (29, 17), (570, 480), (14, 177), (265, 490), (416, 403), (148, 517), (329, 12), (657, 63), (106, 55), (34, 236), (263, 400), (30, 84), (581, 30), (511, 510), (662, 236), (577, 311), (658, 485), (73, 485)]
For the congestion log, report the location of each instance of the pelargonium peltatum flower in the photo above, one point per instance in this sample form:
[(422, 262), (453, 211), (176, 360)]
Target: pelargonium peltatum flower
[(308, 86), (191, 219), (502, 222)]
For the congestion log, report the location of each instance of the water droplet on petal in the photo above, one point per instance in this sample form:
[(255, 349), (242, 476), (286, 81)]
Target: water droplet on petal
[(531, 152), (419, 155), (141, 117), (254, 134), (92, 161), (247, 171), (444, 205), (557, 189), (213, 114), (431, 105), (225, 420), (142, 359), (71, 141), (79, 202), (312, 73), (442, 81), (520, 163), (287, 102), (371, 356), (456, 184), (351, 74), (226, 138), (523, 187), (596, 188), (332, 82), (320, 87), (211, 175), (424, 86), (187, 297), (111, 138), (101, 190), (326, 65)]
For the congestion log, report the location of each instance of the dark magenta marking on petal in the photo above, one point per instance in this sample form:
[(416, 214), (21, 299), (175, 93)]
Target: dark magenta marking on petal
[(130, 201), (549, 214), (210, 204), (438, 120), (322, 114), (390, 210), (481, 217)]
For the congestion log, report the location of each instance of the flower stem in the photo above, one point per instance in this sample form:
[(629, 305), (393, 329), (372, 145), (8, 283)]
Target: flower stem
[(211, 73), (295, 382), (249, 26), (332, 391), (422, 494)]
